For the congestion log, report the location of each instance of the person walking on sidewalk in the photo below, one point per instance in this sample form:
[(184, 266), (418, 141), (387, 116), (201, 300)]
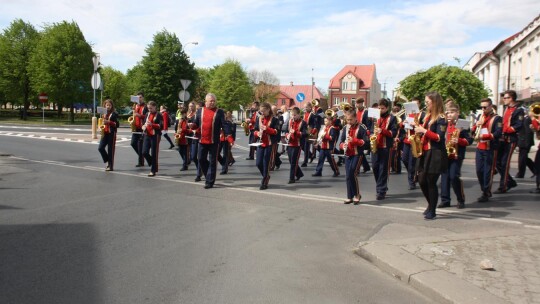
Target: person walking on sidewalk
[(165, 114), (151, 137), (488, 130), (512, 124), (457, 141), (434, 160)]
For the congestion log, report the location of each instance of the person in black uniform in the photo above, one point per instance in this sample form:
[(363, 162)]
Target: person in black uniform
[(108, 134), (313, 124), (535, 126), (225, 144), (297, 130), (512, 124), (434, 159), (152, 136), (251, 124), (385, 129), (457, 141), (326, 141), (353, 139), (276, 162), (408, 158), (267, 131), (525, 142), (139, 115)]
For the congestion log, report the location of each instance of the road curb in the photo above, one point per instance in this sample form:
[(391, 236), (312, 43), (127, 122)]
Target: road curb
[(430, 280)]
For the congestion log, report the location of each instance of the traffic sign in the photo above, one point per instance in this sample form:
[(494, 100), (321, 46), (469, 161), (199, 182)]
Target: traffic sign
[(185, 83), (184, 95), (300, 97), (43, 97), (96, 81)]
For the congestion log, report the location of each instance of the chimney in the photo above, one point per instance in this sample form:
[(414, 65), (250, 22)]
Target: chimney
[(292, 84)]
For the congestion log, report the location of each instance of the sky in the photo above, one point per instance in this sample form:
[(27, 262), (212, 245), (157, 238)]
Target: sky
[(294, 39)]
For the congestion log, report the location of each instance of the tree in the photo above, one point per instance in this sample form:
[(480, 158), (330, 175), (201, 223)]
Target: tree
[(450, 81), (134, 79), (231, 85), (115, 86), (202, 83), (163, 66), (16, 46), (62, 65), (265, 86)]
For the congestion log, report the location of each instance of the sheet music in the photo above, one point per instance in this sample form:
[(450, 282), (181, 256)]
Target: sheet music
[(374, 113), (463, 124), (101, 110), (411, 107), (255, 144), (134, 99), (192, 137)]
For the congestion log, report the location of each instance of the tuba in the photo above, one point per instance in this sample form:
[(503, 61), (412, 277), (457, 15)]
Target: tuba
[(534, 110), (315, 103), (329, 113)]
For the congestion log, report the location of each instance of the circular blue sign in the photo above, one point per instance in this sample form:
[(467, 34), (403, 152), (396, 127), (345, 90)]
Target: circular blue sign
[(300, 97)]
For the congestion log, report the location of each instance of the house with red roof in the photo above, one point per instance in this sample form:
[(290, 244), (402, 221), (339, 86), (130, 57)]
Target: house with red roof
[(353, 82), (293, 95)]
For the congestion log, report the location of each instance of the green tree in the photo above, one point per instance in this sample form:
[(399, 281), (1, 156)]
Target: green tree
[(163, 66), (115, 86), (231, 85), (265, 86), (202, 83), (134, 79), (450, 81), (62, 65), (16, 46)]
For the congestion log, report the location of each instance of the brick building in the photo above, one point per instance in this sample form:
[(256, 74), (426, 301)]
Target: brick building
[(353, 82)]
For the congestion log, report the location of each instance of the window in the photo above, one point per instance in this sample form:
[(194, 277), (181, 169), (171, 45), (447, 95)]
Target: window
[(344, 99), (353, 86), (336, 100), (344, 86)]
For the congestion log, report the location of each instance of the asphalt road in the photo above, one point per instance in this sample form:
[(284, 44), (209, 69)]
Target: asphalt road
[(72, 233)]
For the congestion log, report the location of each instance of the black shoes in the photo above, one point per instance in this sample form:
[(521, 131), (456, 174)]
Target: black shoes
[(139, 165), (223, 172), (535, 191), (183, 169), (348, 201), (412, 187), (483, 199), (316, 174), (263, 187), (381, 196), (366, 171), (335, 175), (151, 174), (292, 181), (443, 205), (198, 179), (208, 186), (299, 177), (303, 165), (430, 216), (461, 205), (250, 158), (171, 147)]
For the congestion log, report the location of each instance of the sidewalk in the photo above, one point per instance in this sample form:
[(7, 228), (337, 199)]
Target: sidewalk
[(445, 266)]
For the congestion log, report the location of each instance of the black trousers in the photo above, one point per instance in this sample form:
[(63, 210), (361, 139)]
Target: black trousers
[(428, 184), (524, 161), (151, 151), (208, 161), (137, 145), (109, 141)]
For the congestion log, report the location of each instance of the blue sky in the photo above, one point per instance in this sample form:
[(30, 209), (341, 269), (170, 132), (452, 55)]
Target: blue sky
[(291, 38)]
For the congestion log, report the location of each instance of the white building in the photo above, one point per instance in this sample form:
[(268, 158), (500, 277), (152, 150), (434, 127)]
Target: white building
[(514, 64)]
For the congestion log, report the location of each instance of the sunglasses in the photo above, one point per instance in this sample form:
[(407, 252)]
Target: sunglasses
[(483, 108)]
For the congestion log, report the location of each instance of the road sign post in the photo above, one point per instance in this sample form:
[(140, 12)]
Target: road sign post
[(43, 98)]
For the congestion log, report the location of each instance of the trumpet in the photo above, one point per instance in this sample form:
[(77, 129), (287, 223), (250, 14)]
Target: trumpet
[(479, 124), (398, 115)]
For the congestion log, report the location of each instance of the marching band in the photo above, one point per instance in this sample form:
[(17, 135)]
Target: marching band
[(433, 141)]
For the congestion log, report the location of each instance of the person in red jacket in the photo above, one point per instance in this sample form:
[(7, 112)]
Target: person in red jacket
[(182, 130), (165, 114), (297, 130)]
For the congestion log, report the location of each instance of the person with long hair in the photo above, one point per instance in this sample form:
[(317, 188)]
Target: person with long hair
[(353, 141), (267, 130), (434, 160), (108, 138), (297, 130)]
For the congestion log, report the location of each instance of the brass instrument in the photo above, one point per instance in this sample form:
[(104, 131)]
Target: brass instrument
[(479, 124), (147, 128), (398, 115), (178, 135), (131, 120), (345, 107), (373, 143), (534, 110), (245, 125), (315, 103), (451, 148), (101, 126), (346, 143), (329, 113), (416, 140)]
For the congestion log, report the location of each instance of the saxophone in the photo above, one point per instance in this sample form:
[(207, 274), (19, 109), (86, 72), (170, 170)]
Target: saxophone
[(178, 133), (245, 125), (373, 143), (416, 140), (451, 148), (101, 126), (131, 120)]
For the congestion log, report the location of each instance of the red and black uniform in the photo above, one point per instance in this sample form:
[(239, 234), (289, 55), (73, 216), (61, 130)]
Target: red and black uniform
[(209, 123), (408, 159), (328, 140), (109, 140), (152, 137), (354, 152), (536, 127), (433, 161), (193, 147), (297, 131), (362, 117), (381, 159), (486, 151), (266, 151), (137, 136), (512, 123), (165, 130), (182, 130), (225, 144), (313, 125), (452, 178), (251, 123)]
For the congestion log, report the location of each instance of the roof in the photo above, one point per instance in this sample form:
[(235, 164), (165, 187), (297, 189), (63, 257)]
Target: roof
[(364, 72), (292, 90)]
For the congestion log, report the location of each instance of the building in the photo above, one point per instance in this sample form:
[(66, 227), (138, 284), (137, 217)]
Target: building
[(514, 64), (353, 82), (297, 95)]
